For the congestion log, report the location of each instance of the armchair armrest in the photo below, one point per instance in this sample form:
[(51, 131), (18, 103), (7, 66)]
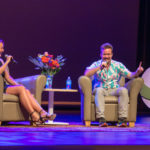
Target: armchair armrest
[(134, 86), (1, 95), (35, 84), (1, 87), (85, 86)]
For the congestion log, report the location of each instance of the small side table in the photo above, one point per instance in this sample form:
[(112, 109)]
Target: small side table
[(51, 102)]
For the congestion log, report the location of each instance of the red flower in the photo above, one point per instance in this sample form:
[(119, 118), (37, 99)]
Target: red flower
[(51, 56), (54, 64), (45, 59)]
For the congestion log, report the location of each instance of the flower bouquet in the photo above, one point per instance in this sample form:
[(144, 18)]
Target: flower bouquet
[(48, 65)]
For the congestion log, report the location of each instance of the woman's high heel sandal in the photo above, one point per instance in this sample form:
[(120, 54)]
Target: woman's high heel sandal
[(36, 122), (46, 116)]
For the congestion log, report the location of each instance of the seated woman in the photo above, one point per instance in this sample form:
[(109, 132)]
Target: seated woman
[(37, 113)]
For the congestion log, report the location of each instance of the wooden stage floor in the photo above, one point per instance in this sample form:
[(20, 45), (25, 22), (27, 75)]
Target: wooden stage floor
[(18, 136)]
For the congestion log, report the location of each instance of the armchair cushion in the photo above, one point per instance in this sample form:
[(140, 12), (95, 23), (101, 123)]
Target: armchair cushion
[(108, 99), (10, 98)]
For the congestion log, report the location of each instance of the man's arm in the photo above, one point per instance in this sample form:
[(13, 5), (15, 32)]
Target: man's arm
[(136, 73), (91, 72)]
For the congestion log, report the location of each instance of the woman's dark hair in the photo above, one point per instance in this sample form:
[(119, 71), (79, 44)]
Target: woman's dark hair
[(1, 41)]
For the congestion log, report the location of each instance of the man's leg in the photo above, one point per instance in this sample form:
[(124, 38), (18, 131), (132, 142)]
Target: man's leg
[(123, 103), (100, 105), (122, 93), (99, 102)]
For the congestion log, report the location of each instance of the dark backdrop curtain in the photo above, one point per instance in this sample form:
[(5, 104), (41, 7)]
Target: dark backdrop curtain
[(144, 34), (143, 53)]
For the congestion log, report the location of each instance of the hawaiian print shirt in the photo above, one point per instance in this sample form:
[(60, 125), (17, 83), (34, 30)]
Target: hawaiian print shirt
[(109, 78)]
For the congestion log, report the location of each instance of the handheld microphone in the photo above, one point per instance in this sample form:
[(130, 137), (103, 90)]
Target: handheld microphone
[(13, 60), (104, 64)]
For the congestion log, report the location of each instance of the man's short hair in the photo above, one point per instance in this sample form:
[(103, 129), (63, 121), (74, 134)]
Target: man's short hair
[(105, 46)]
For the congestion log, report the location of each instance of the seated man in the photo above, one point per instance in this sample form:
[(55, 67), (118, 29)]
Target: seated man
[(107, 73)]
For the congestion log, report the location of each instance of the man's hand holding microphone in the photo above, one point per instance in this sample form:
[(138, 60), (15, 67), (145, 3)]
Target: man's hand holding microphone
[(103, 65)]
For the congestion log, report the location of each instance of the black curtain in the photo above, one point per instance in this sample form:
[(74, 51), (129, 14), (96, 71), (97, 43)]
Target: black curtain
[(144, 34), (143, 50)]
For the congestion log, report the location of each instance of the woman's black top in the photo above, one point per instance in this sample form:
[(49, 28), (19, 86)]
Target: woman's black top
[(5, 84)]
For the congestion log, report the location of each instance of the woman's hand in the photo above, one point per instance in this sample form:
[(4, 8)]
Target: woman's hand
[(8, 58)]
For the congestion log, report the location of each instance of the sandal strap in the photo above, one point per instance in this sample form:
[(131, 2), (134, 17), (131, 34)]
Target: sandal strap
[(41, 111), (38, 120), (32, 113)]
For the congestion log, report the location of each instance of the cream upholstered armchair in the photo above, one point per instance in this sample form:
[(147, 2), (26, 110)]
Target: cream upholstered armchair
[(10, 108), (88, 112)]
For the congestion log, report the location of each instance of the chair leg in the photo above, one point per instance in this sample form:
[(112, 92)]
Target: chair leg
[(87, 123), (131, 124), (0, 123)]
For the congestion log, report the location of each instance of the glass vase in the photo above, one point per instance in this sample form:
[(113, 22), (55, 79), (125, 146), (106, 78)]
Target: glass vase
[(49, 81)]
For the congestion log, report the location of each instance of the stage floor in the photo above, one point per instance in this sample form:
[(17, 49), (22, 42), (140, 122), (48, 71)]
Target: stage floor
[(18, 136)]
